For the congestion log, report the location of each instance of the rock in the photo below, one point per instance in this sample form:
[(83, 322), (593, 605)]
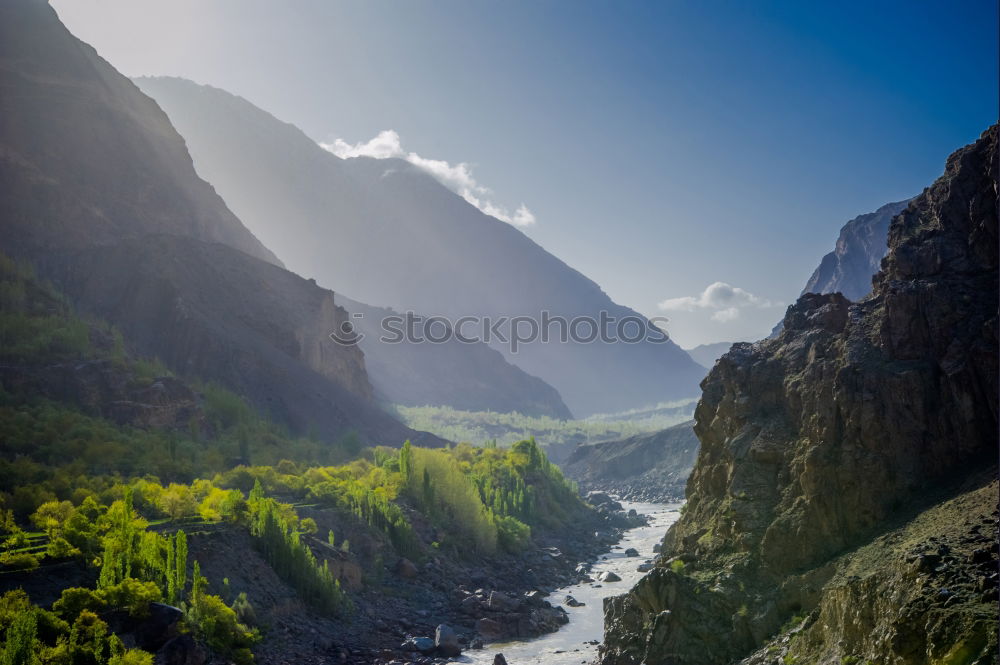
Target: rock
[(406, 569), (535, 598), (181, 650), (631, 552), (573, 602), (471, 605), (446, 641), (608, 576), (501, 602), (499, 659), (489, 629), (644, 567), (424, 645)]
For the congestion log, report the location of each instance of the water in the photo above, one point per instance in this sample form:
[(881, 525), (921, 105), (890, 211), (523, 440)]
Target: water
[(568, 646)]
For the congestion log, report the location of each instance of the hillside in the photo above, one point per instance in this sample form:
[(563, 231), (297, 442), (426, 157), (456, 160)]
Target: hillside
[(856, 421), (467, 377), (643, 467), (101, 196), (386, 233)]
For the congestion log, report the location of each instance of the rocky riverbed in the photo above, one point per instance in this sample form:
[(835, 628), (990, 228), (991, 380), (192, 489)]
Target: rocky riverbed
[(583, 602)]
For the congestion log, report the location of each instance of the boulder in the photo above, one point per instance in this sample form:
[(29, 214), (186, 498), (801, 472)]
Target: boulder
[(631, 552), (501, 602), (446, 641), (406, 568), (608, 576), (424, 645), (499, 659), (573, 602), (489, 629)]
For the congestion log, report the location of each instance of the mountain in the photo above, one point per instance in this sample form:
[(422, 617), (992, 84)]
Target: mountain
[(100, 194), (644, 467), (468, 377), (389, 234), (849, 268), (843, 504), (706, 354)]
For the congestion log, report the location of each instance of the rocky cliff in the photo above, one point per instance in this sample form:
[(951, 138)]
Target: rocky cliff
[(820, 440), (100, 194)]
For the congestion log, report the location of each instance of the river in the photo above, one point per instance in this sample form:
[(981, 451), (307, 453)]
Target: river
[(570, 644)]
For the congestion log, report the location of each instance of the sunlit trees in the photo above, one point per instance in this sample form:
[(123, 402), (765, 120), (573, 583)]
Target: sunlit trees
[(281, 544)]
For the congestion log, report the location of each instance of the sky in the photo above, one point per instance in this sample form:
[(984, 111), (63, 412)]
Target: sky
[(695, 159)]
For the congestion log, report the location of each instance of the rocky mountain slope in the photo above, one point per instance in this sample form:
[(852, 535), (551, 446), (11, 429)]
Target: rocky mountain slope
[(99, 192), (857, 422), (387, 233), (468, 377), (861, 245), (856, 258), (647, 467)]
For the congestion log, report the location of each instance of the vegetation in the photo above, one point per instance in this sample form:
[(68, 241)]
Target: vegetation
[(484, 427), (122, 499)]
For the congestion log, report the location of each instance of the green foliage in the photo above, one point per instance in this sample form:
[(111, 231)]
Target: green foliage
[(677, 566), (486, 427), (450, 496), (19, 645), (281, 544), (217, 624)]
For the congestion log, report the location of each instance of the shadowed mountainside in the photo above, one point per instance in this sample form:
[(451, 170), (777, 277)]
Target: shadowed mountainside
[(468, 377), (101, 195)]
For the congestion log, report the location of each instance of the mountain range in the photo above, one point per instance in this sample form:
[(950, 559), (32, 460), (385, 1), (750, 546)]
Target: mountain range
[(387, 233)]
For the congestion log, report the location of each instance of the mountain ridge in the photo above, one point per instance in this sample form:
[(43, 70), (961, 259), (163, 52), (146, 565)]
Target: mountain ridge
[(391, 235)]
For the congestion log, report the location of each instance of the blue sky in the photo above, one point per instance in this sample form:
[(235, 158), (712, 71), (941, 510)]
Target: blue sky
[(661, 147)]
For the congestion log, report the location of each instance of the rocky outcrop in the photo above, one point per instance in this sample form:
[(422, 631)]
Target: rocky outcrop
[(813, 443), (644, 467)]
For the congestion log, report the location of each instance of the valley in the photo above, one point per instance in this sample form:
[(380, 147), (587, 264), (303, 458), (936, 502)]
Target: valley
[(212, 454)]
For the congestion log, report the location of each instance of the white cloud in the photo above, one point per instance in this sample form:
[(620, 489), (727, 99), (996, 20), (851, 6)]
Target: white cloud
[(457, 177), (726, 300)]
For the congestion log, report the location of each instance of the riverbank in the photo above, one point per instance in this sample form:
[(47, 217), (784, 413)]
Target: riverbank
[(577, 641)]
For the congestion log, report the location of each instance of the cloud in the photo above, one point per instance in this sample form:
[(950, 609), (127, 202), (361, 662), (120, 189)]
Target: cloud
[(456, 177), (726, 300)]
